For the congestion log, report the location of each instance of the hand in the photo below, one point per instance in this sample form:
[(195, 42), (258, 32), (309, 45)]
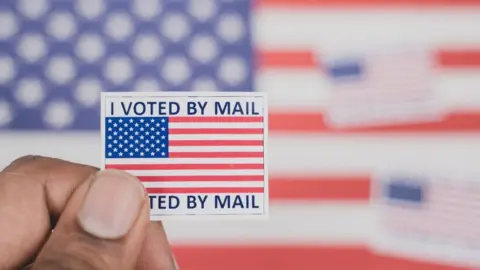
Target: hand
[(100, 219)]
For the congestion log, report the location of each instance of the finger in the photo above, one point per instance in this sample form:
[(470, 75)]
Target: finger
[(156, 252), (102, 227), (32, 190)]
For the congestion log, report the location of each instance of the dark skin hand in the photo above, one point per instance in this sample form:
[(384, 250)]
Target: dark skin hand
[(100, 219)]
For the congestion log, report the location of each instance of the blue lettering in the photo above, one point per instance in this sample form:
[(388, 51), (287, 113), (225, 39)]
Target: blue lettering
[(236, 108), (193, 107), (236, 201), (163, 202), (150, 108), (194, 201)]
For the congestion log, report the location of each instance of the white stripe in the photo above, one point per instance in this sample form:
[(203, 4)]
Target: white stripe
[(194, 172), (185, 161), (331, 28), (454, 89), (200, 184), (244, 125), (215, 137), (294, 223), (173, 149), (288, 154)]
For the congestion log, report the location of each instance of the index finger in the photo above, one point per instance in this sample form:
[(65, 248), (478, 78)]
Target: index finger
[(33, 192)]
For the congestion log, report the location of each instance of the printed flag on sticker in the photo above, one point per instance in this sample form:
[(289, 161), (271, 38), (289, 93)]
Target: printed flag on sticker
[(197, 154), (380, 88)]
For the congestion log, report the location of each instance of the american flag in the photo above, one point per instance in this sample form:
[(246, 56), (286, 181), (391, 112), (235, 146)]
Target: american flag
[(57, 56), (189, 154)]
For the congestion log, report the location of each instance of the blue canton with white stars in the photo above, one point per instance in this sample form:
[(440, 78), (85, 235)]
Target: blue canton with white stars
[(57, 56), (136, 137)]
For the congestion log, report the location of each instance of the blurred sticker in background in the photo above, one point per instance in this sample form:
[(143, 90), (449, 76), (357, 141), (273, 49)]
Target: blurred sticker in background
[(433, 217), (379, 87)]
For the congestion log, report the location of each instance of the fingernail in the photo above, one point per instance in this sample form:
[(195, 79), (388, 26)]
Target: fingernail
[(112, 204)]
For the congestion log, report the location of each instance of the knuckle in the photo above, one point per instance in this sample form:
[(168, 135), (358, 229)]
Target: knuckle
[(78, 252), (22, 161)]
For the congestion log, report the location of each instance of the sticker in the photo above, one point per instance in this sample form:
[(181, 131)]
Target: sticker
[(427, 216), (382, 87), (197, 154)]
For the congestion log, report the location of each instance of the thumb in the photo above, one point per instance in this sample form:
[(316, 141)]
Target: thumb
[(102, 227)]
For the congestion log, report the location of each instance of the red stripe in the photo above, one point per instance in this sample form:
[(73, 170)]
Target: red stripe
[(305, 59), (216, 155), (215, 131), (320, 188), (297, 257), (215, 143), (145, 167), (196, 178), (315, 123), (215, 119), (364, 3), (204, 190)]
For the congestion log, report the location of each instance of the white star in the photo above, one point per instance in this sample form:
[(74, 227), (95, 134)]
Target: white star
[(136, 133), (120, 137), (131, 153), (115, 141), (125, 150), (157, 124), (109, 120), (136, 141), (109, 137), (120, 145), (131, 129), (141, 120), (163, 120), (153, 120), (115, 149), (157, 141), (158, 133), (125, 125), (152, 129), (147, 124), (136, 125), (120, 120), (147, 149), (163, 137), (163, 145), (142, 137), (152, 145), (163, 153), (120, 154), (147, 141), (152, 154), (157, 149), (120, 129), (110, 145), (109, 153), (136, 150), (125, 133), (125, 141), (142, 129), (141, 154), (131, 137), (131, 146), (147, 133), (131, 120), (163, 129), (142, 145), (115, 125), (115, 133), (152, 137), (109, 129)]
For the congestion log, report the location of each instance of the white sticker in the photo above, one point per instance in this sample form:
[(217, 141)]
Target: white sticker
[(427, 216), (383, 87), (197, 154)]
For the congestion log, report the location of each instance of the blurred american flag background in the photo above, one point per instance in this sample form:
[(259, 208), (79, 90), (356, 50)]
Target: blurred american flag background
[(326, 142)]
